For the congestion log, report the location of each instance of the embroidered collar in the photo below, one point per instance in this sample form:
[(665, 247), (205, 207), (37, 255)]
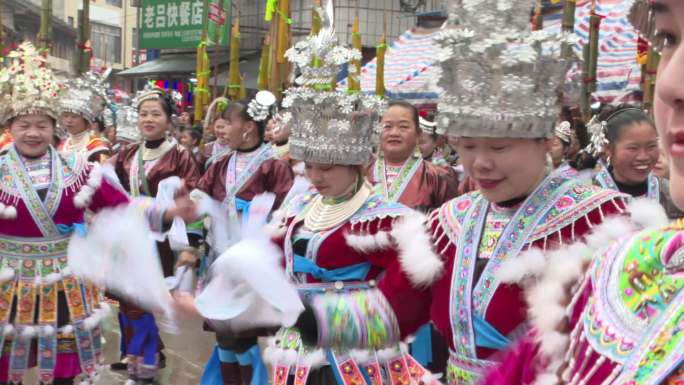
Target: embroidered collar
[(77, 142), (149, 154)]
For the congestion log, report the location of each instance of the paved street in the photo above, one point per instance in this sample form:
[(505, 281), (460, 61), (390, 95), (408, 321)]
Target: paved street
[(186, 355)]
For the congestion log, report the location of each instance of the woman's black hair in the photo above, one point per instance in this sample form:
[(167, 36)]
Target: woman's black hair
[(415, 114), (620, 117), (194, 133), (240, 108), (167, 103), (617, 118)]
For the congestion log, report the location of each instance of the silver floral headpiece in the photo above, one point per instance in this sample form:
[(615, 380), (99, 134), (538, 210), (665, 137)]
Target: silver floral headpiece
[(127, 125), (262, 107), (28, 85), (429, 127), (86, 96), (497, 77), (596, 128), (148, 93), (564, 131), (328, 126)]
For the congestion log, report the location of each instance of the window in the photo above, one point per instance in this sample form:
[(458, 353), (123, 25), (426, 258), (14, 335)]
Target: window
[(116, 3), (106, 42), (70, 20)]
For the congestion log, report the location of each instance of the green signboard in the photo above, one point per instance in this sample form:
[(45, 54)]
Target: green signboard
[(178, 23)]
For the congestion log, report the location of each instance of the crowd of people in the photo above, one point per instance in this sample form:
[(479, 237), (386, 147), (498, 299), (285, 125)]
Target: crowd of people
[(497, 239)]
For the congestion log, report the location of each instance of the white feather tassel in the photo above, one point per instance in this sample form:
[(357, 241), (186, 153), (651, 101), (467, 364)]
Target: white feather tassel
[(368, 243), (416, 256), (6, 274), (8, 330), (647, 213), (28, 332), (67, 330)]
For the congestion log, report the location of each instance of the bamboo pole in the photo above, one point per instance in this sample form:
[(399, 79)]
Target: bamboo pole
[(233, 85), (591, 59), (85, 51), (315, 18), (264, 62), (44, 33), (2, 35), (201, 91), (380, 61), (649, 77), (354, 79), (568, 25), (217, 44), (281, 45)]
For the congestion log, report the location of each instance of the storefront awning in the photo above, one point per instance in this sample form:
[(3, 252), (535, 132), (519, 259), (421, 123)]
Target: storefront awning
[(178, 64)]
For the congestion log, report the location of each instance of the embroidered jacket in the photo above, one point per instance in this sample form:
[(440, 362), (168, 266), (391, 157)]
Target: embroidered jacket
[(624, 319), (34, 235), (419, 185)]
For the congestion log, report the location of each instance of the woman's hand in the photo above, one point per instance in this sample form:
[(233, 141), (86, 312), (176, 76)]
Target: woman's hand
[(184, 208), (184, 304)]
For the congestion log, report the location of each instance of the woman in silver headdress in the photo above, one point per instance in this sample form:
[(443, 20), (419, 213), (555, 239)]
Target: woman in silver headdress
[(617, 317)]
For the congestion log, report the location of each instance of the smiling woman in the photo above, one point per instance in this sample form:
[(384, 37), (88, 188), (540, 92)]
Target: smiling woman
[(625, 140)]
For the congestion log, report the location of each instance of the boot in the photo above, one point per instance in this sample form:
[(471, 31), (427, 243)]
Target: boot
[(230, 371), (246, 374)]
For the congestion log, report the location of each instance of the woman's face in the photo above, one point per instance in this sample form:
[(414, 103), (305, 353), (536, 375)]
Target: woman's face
[(634, 154), (32, 134), (331, 181), (73, 123), (669, 95), (187, 141), (221, 130), (268, 132), (557, 151), (237, 130), (427, 144), (503, 168), (399, 135), (152, 120)]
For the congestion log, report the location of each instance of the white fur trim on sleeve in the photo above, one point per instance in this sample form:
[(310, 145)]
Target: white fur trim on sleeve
[(416, 255), (647, 213), (368, 243), (85, 194)]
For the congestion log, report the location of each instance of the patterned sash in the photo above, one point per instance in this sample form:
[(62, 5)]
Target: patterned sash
[(466, 299), (40, 257), (394, 191), (235, 182)]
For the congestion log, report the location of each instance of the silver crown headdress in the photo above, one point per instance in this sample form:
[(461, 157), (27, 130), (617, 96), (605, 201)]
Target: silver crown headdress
[(86, 96), (564, 131), (328, 126), (428, 127), (498, 78), (127, 124), (148, 93), (27, 85), (262, 107)]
